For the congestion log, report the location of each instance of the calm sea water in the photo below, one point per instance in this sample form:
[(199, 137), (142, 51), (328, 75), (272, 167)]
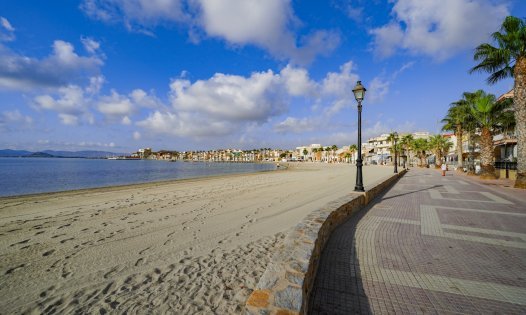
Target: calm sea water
[(19, 176)]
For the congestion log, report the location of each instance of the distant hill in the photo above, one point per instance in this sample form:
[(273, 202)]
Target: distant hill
[(40, 155), (83, 154), (14, 153), (51, 153)]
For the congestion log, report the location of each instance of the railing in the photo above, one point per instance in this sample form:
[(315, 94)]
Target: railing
[(506, 165)]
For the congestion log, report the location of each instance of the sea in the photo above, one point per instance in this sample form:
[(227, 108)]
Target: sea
[(21, 176)]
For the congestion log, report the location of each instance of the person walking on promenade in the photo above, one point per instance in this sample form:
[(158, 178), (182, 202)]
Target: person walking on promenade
[(444, 168)]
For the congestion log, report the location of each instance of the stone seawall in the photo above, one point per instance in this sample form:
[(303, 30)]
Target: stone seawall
[(286, 285)]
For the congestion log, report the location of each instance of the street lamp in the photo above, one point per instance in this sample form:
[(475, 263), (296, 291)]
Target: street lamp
[(359, 93), (395, 159)]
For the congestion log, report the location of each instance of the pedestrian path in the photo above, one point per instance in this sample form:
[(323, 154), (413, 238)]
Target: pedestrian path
[(430, 244)]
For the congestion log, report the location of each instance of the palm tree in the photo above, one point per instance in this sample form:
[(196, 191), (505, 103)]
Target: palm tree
[(440, 146), (508, 59), (391, 138), (406, 142), (490, 117), (456, 120), (353, 148), (334, 148), (420, 146)]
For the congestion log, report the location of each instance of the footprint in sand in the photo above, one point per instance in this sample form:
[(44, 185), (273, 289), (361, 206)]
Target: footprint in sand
[(49, 252), (21, 242), (9, 271), (67, 239)]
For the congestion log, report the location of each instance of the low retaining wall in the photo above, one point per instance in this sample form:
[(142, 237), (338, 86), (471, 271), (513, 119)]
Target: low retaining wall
[(286, 284)]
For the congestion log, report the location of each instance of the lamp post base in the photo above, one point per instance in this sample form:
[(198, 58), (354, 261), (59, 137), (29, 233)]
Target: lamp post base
[(359, 188)]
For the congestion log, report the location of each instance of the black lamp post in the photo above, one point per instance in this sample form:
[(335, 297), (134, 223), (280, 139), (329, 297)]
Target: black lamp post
[(395, 153), (359, 93)]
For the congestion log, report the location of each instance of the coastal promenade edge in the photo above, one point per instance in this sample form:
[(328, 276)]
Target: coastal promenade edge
[(288, 280), (430, 244)]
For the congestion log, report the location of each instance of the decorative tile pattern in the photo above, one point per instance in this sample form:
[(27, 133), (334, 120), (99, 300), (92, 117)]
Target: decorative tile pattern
[(423, 247)]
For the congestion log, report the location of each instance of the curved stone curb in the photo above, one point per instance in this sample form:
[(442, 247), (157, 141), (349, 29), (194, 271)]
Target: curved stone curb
[(287, 282)]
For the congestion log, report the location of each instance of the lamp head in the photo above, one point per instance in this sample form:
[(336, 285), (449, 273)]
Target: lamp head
[(359, 91)]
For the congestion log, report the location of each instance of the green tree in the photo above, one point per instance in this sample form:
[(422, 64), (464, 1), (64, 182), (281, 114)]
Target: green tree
[(490, 118), (507, 59), (457, 120), (439, 146), (406, 143), (420, 146), (391, 138)]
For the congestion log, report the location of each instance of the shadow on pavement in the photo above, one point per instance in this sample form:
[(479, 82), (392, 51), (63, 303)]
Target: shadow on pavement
[(338, 287), (412, 192)]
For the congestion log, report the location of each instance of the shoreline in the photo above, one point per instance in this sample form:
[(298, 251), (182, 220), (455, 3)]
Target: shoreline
[(135, 185), (185, 246)]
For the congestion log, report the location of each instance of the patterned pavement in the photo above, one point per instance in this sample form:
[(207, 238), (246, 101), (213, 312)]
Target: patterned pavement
[(430, 244)]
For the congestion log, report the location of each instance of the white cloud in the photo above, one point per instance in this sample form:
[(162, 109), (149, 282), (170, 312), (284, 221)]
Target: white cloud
[(232, 97), (70, 104), (95, 84), (377, 90), (91, 45), (136, 15), (136, 135), (14, 120), (61, 67), (337, 88), (224, 104), (295, 125), (126, 120), (68, 119), (268, 24), (141, 98), (297, 81), (115, 106), (7, 31), (438, 28)]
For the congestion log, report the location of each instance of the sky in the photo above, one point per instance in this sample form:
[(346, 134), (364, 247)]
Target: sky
[(119, 75)]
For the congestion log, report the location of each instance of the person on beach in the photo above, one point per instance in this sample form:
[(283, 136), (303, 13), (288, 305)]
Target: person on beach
[(444, 168)]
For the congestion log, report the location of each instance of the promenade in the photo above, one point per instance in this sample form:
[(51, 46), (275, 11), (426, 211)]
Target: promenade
[(430, 244)]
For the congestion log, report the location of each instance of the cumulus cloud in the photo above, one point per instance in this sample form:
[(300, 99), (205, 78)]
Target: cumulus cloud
[(337, 88), (70, 104), (220, 105), (143, 99), (61, 67), (268, 24), (116, 107), (438, 28)]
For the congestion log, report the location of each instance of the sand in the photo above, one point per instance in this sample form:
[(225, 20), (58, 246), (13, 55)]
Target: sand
[(186, 247)]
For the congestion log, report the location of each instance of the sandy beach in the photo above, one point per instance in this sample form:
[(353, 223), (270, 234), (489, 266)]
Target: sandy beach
[(188, 246)]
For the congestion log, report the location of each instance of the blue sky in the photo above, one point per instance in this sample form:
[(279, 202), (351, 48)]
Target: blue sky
[(119, 75)]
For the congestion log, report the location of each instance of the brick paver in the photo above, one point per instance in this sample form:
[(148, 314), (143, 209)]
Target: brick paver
[(430, 244)]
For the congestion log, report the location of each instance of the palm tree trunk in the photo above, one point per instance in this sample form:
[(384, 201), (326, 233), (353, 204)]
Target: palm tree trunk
[(519, 102), (460, 163), (486, 155)]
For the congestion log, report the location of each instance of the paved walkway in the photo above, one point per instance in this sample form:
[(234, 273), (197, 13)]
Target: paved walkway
[(431, 244)]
